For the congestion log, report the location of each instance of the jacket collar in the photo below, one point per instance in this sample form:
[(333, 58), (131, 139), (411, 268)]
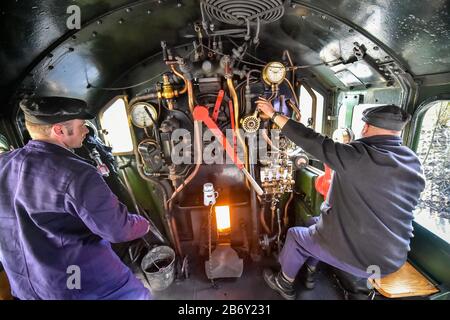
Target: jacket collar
[(382, 140), (49, 147)]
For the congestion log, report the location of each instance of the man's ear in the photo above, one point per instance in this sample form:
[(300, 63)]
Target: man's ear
[(57, 130)]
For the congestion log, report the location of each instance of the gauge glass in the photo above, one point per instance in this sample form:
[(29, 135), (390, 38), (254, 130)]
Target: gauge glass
[(140, 117), (274, 72)]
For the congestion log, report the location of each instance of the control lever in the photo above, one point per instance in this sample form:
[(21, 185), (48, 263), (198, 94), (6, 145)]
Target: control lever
[(201, 114)]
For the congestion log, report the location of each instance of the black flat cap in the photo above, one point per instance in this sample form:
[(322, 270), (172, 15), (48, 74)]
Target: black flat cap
[(388, 117), (51, 110)]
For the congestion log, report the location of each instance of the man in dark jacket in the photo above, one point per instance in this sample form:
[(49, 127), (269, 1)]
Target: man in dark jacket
[(58, 216), (366, 220)]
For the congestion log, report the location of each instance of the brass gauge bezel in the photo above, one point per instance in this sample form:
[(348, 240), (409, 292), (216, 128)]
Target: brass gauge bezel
[(273, 64), (150, 107)]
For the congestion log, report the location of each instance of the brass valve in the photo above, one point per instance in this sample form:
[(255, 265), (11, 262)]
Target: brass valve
[(167, 89)]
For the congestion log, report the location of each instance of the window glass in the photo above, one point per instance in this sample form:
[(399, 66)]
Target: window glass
[(433, 210), (306, 102), (115, 121)]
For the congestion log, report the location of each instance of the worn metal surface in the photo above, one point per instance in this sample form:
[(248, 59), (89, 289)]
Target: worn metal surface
[(38, 53)]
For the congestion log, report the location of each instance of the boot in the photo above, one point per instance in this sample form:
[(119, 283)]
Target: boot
[(280, 284), (310, 277)]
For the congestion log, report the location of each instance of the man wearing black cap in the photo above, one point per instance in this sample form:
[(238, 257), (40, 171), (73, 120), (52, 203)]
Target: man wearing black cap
[(58, 216), (366, 220)]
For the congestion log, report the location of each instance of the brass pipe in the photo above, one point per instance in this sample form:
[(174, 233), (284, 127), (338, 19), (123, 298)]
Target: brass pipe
[(236, 118), (293, 91), (286, 53), (190, 91), (180, 75), (286, 218), (143, 98), (295, 109), (263, 220)]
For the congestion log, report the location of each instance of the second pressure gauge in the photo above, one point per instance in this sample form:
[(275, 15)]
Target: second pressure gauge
[(140, 114), (274, 73)]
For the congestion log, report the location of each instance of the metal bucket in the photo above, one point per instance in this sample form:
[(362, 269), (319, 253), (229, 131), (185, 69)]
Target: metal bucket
[(158, 266)]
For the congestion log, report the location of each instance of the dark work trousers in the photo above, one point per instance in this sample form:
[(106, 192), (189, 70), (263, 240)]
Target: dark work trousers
[(299, 248)]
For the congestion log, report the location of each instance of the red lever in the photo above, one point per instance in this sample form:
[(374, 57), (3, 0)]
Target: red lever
[(218, 104), (201, 114)]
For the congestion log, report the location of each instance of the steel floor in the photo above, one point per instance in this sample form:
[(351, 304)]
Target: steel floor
[(250, 286)]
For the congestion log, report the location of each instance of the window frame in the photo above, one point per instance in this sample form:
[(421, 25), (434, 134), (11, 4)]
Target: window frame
[(127, 111), (414, 139)]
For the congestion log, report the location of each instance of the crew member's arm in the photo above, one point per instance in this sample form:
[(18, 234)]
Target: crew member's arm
[(89, 197), (337, 156)]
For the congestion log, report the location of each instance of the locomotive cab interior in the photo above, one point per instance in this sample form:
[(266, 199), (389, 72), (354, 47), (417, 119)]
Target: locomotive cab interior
[(177, 136)]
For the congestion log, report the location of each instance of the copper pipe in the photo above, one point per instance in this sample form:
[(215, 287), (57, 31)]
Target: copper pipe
[(236, 123), (295, 109), (293, 91), (190, 91), (286, 218), (286, 53), (178, 74), (143, 98), (263, 220), (272, 217)]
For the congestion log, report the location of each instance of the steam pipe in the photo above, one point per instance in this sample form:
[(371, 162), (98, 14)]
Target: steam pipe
[(263, 219), (286, 218), (178, 74), (294, 108), (145, 97)]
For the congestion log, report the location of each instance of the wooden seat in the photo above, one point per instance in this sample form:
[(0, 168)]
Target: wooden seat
[(406, 282), (5, 290)]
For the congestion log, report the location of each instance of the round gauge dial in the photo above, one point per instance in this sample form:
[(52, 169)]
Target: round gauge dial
[(140, 116), (274, 73)]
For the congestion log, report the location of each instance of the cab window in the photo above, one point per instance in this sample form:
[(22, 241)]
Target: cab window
[(306, 107), (114, 122), (433, 150)]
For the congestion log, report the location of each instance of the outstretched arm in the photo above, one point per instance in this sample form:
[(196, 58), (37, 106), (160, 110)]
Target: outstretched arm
[(91, 199), (337, 156)]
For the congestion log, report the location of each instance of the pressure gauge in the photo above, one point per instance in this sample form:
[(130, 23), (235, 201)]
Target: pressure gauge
[(274, 73), (140, 114)]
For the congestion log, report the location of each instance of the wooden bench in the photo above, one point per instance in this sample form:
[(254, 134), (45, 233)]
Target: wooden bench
[(406, 282)]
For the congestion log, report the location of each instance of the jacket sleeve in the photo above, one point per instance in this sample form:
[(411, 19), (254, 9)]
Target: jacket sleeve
[(338, 156), (93, 202)]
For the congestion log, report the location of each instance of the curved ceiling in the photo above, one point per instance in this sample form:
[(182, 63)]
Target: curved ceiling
[(38, 53)]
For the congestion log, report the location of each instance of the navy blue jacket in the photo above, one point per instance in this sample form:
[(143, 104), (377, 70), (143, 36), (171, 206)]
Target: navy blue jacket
[(367, 217), (57, 212)]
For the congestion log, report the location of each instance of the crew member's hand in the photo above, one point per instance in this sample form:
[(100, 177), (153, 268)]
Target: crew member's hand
[(265, 107)]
